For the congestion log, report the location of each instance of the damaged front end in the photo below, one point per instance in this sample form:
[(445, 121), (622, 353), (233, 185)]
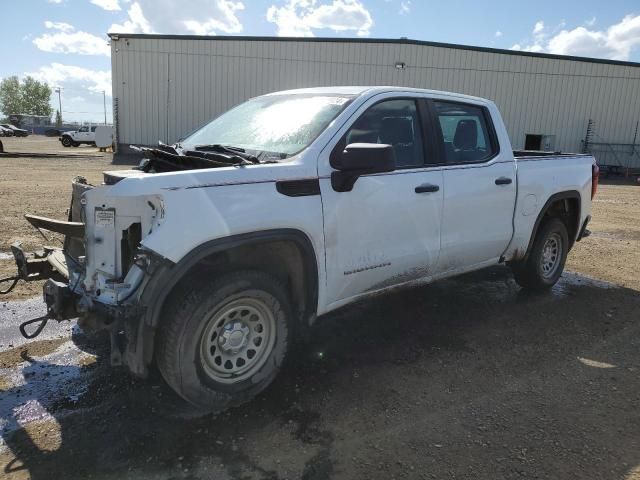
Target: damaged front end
[(104, 275), (97, 275)]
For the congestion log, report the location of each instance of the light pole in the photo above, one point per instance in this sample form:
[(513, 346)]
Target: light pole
[(104, 100), (59, 102)]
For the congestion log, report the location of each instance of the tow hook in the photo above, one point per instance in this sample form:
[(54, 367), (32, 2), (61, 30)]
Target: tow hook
[(43, 323), (60, 306), (14, 281)]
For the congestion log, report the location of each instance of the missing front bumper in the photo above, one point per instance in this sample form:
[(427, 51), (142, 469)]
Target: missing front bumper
[(48, 263)]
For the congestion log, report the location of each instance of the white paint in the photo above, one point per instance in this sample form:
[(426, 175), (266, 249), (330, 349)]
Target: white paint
[(377, 236)]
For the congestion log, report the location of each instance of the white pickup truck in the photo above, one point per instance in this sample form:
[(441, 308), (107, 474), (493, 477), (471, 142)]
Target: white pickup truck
[(217, 252)]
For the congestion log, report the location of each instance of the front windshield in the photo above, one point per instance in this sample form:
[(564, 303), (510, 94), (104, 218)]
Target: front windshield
[(281, 124)]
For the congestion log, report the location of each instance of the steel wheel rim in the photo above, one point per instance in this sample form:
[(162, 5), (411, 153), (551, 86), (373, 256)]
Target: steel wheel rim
[(237, 340), (551, 255)]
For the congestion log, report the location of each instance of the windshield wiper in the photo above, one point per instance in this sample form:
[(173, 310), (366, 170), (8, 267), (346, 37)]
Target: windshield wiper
[(229, 150)]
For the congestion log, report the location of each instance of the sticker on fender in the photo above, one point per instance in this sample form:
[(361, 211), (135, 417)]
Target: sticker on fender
[(105, 218)]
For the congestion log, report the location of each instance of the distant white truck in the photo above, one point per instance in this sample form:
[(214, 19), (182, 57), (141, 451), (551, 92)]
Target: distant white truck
[(97, 135), (75, 138), (216, 252)]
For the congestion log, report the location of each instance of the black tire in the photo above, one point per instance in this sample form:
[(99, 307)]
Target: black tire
[(75, 144), (191, 321), (66, 141), (539, 272)]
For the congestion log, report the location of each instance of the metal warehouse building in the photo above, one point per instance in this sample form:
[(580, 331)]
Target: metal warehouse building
[(164, 86)]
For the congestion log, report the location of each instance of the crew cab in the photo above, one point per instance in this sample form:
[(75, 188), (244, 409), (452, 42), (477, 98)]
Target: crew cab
[(216, 252), (74, 138)]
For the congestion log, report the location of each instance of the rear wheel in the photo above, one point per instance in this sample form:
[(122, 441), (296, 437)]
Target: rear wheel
[(224, 341), (545, 263), (66, 141)]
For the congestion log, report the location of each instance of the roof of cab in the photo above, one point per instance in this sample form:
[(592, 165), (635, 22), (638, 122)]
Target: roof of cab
[(372, 90)]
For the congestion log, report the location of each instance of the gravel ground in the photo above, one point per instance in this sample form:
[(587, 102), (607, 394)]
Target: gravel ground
[(40, 186), (466, 378)]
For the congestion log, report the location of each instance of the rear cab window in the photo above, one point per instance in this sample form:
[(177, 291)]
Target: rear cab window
[(466, 132)]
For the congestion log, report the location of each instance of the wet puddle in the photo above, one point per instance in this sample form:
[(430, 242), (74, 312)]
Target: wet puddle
[(33, 386)]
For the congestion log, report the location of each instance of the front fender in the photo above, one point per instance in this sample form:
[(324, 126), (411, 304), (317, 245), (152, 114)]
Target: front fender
[(164, 275)]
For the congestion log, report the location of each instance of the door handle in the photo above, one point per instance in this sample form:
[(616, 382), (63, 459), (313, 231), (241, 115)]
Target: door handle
[(503, 181), (427, 188)]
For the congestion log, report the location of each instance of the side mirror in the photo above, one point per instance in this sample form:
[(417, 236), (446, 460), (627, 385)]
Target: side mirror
[(366, 158), (360, 159)]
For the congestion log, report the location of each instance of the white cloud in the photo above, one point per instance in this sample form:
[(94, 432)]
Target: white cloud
[(67, 40), (616, 42), (301, 17), (109, 5), (135, 22), (63, 27), (498, 34), (288, 21), (581, 42), (591, 22), (200, 17), (55, 1), (538, 35), (538, 27), (405, 7), (68, 76)]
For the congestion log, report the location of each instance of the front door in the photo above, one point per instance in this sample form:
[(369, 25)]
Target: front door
[(386, 230), (83, 134), (479, 185)]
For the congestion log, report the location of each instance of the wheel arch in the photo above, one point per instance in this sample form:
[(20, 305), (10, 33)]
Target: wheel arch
[(565, 205), (290, 251)]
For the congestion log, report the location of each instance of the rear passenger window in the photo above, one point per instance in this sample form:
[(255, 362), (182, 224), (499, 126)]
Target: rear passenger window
[(392, 122), (465, 133)]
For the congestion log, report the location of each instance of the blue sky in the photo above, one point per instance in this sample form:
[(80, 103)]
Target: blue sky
[(64, 42)]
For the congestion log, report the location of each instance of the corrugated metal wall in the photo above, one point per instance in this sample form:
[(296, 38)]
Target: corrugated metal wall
[(165, 87)]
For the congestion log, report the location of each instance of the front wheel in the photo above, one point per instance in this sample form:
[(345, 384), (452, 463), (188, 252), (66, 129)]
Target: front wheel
[(66, 142), (545, 263), (222, 342)]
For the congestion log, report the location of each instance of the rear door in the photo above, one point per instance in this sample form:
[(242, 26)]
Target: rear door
[(479, 186), (386, 230)]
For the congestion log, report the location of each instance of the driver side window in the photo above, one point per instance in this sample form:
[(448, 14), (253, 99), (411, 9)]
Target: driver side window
[(393, 122)]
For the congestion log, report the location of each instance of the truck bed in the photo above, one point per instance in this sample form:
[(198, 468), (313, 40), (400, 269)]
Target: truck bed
[(540, 153)]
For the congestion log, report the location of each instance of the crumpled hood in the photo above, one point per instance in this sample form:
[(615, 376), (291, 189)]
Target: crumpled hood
[(135, 182)]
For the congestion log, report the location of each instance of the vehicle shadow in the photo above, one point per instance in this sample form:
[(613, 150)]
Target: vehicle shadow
[(470, 377)]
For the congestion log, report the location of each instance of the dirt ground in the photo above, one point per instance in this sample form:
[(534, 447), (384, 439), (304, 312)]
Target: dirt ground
[(39, 186), (466, 378)]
